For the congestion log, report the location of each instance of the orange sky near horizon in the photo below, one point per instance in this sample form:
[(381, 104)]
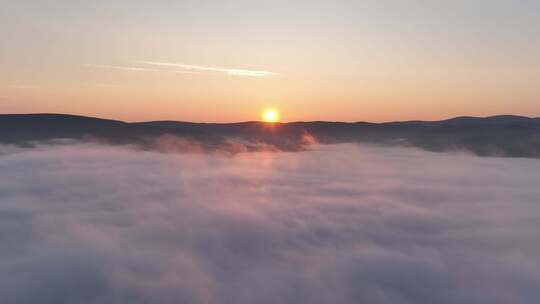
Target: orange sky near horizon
[(312, 60)]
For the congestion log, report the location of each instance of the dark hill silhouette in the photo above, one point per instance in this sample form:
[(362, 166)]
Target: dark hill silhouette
[(503, 135)]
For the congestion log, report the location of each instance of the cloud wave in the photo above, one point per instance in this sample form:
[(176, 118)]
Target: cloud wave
[(338, 224)]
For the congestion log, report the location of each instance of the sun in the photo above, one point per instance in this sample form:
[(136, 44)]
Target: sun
[(270, 115)]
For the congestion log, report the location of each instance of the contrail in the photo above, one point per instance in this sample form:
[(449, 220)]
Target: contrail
[(229, 71)]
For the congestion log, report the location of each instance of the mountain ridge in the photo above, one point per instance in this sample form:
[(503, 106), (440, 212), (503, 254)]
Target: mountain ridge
[(507, 117), (499, 135)]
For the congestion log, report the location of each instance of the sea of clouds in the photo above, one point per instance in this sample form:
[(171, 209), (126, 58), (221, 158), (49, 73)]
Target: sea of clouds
[(347, 223)]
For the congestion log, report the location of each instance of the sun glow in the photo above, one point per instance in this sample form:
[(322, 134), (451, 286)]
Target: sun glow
[(270, 115)]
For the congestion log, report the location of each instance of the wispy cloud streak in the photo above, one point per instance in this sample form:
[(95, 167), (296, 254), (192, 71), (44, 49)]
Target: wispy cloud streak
[(136, 69), (229, 71), (23, 86)]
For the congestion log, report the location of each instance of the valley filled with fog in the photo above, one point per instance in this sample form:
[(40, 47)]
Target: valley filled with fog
[(346, 223)]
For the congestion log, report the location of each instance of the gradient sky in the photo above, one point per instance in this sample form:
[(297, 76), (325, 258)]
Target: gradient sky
[(313, 60)]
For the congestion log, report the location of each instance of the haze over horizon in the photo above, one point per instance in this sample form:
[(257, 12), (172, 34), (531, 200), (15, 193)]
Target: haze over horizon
[(313, 60)]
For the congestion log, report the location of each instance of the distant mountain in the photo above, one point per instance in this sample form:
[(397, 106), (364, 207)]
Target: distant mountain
[(504, 135)]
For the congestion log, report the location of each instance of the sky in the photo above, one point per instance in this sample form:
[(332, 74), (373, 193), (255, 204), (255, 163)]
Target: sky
[(224, 61)]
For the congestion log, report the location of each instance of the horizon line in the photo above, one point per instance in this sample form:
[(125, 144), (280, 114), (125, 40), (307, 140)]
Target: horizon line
[(260, 121)]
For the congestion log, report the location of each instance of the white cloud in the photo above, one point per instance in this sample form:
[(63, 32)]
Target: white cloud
[(184, 69)]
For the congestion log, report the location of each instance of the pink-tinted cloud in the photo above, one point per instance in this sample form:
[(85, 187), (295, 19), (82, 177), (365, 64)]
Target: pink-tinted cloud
[(336, 224)]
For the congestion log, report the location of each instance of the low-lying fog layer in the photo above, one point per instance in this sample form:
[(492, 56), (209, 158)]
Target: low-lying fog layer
[(339, 224)]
